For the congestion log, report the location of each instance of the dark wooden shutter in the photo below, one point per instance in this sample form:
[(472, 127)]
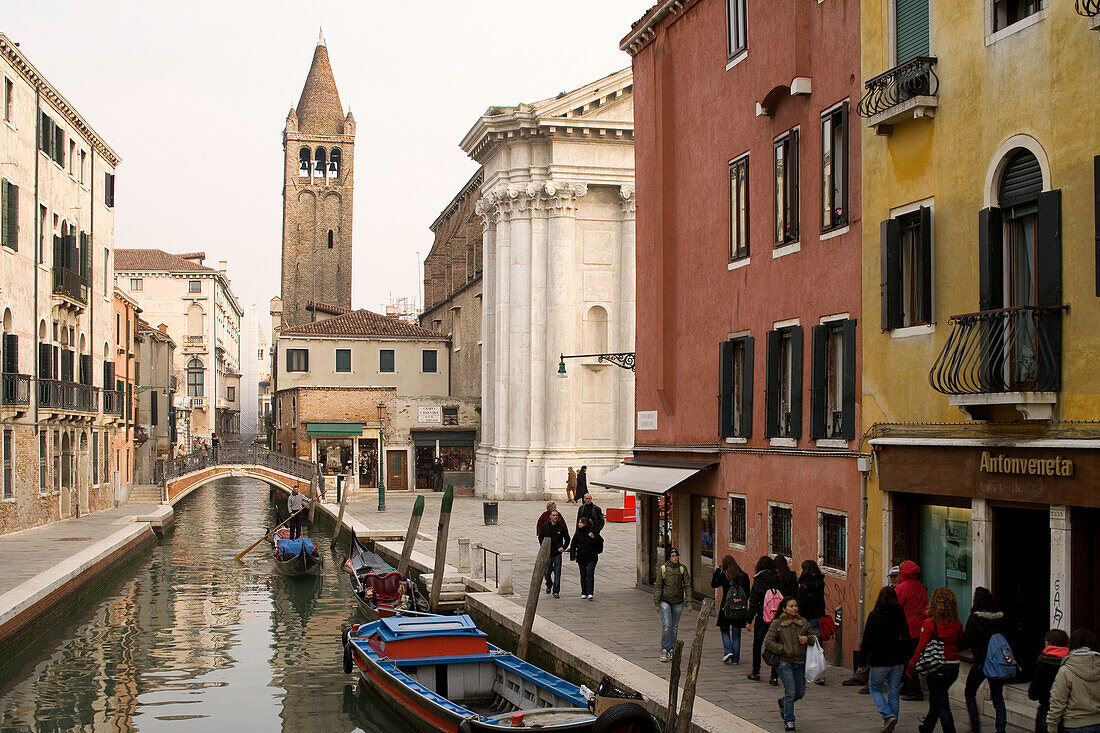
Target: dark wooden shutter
[(108, 375), (305, 360), (819, 371), (793, 176), (45, 361), (11, 354), (59, 145), (849, 382), (289, 362), (85, 368), (86, 256), (771, 385), (845, 174), (990, 260), (911, 28), (11, 215), (746, 390), (67, 364), (1049, 258), (926, 314), (796, 381), (725, 389), (153, 406), (890, 286)]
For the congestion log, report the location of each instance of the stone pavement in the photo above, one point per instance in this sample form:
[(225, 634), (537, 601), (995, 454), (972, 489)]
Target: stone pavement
[(621, 619)]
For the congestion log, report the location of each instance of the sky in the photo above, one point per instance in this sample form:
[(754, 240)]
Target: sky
[(193, 96)]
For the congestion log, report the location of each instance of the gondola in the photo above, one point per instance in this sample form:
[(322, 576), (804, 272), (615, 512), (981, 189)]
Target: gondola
[(380, 590), (442, 674), (295, 557)]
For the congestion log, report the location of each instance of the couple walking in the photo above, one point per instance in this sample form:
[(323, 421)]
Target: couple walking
[(584, 547)]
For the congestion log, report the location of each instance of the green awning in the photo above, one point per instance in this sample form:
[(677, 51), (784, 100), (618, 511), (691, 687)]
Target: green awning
[(334, 429)]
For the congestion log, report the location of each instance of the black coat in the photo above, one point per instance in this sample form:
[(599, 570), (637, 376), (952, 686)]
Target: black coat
[(981, 625), (582, 484), (558, 534), (721, 580), (587, 548), (593, 512), (1042, 679), (811, 596), (762, 582), (885, 637), (789, 588)]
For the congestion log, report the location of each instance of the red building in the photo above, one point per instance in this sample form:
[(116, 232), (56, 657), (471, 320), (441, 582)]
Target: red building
[(748, 277)]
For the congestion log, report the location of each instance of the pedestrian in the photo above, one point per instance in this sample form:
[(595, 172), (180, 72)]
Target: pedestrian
[(892, 576), (586, 548), (733, 607), (984, 621), (811, 598), (1075, 695), (671, 591), (437, 475), (571, 486), (545, 516), (582, 482), (589, 509), (788, 636), (788, 581), (941, 624), (558, 533), (914, 598), (295, 503), (884, 648), (765, 583), (1046, 669)]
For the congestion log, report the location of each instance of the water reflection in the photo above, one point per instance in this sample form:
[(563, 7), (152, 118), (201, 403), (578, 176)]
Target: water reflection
[(192, 640)]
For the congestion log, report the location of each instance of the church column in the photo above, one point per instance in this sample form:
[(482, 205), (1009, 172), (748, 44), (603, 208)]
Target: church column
[(561, 306), (623, 437), (538, 327), (519, 342)]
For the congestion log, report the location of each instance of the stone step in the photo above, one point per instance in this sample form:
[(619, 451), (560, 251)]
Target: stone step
[(1017, 693), (145, 494), (1016, 714)]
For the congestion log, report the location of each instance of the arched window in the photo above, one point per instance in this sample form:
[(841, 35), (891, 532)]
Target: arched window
[(194, 320), (330, 239), (303, 163), (195, 378), (334, 163), (1018, 195), (595, 330), (319, 164)]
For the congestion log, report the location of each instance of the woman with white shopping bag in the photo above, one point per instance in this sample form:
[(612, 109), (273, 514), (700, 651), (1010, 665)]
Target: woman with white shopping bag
[(789, 638)]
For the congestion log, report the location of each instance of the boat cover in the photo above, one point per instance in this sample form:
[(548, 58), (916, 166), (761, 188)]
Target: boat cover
[(294, 547), (405, 627)]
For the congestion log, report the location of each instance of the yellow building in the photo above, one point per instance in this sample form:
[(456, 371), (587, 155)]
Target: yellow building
[(980, 376)]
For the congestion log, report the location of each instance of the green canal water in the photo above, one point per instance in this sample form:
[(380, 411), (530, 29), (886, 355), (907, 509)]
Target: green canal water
[(191, 640)]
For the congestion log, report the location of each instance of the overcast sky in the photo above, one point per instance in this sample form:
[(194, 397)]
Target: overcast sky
[(194, 95)]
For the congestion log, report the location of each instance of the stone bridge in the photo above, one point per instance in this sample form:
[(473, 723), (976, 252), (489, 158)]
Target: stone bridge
[(180, 476)]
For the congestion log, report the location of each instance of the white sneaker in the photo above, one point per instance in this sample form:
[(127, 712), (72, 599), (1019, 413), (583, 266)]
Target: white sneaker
[(728, 659), (664, 656)]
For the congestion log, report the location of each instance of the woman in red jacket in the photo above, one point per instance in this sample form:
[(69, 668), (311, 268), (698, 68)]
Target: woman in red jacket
[(941, 622)]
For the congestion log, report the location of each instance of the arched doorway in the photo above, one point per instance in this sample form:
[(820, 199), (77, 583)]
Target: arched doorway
[(83, 477)]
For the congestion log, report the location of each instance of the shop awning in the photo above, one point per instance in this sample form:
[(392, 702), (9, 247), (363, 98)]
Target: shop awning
[(334, 429), (445, 437), (645, 479)]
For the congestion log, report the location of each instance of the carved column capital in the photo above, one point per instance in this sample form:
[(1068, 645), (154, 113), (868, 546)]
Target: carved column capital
[(627, 199)]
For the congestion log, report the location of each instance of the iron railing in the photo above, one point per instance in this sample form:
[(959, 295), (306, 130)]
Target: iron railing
[(1006, 350), (59, 395), (70, 284), (235, 455), (485, 552), (914, 78), (1087, 8), (112, 402), (15, 389)]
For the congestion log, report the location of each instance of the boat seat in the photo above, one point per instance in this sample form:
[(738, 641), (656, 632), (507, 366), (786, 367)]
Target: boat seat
[(386, 587)]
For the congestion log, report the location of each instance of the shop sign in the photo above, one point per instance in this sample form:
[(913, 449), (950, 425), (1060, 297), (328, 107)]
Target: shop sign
[(1000, 463), (430, 414)]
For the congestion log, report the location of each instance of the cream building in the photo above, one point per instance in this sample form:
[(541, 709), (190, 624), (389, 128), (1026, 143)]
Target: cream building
[(155, 434), (557, 206), (203, 317)]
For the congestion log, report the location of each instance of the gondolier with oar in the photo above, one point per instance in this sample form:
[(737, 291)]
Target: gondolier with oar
[(295, 503)]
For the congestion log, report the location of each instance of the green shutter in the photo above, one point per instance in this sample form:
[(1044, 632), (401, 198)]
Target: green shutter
[(911, 25)]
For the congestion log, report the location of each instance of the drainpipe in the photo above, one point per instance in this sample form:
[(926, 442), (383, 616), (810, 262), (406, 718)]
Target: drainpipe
[(38, 249), (863, 463)]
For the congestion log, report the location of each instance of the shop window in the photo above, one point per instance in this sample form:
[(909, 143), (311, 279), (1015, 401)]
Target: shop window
[(785, 150), (450, 416), (386, 361), (783, 391), (833, 539), (906, 243), (738, 519), (343, 360), (739, 208), (430, 361), (833, 380), (457, 457), (834, 168), (780, 520), (297, 360), (735, 398)]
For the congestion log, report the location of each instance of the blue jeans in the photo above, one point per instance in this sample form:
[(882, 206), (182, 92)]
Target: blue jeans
[(889, 704), (794, 687), (588, 577), (731, 642), (670, 622), (553, 573)]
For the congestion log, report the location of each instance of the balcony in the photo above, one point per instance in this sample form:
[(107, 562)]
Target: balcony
[(1009, 356), (1091, 10), (70, 286), (54, 394), (194, 342), (15, 390), (909, 90), (112, 402)]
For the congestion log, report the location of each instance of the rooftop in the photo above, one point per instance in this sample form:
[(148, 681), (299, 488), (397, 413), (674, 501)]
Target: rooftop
[(364, 323), (156, 260)]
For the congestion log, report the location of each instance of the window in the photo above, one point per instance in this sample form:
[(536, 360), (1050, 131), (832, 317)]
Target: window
[(57, 460), (7, 465), (194, 286), (8, 89), (783, 392), (231, 393), (72, 157), (780, 520), (343, 360), (106, 459), (195, 378), (833, 380), (735, 27), (911, 29), (297, 360), (43, 462), (456, 328), (739, 207), (450, 416), (1007, 12), (136, 284), (83, 165), (738, 513), (385, 360), (330, 239), (108, 189), (430, 358), (735, 397), (106, 269), (9, 233), (43, 217), (833, 541), (907, 269), (304, 162), (153, 405), (786, 188), (95, 457), (834, 168)]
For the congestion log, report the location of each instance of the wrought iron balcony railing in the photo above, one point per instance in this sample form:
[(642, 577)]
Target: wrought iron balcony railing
[(70, 284), (1087, 8), (15, 389), (1007, 350), (913, 78), (112, 402), (58, 395), (194, 341)]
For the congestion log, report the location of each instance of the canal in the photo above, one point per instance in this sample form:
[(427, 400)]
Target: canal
[(190, 639)]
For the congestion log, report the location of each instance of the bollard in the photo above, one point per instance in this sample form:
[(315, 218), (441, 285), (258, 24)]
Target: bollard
[(463, 555), (477, 571), (504, 581)]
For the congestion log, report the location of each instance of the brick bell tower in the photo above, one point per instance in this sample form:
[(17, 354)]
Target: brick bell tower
[(318, 150)]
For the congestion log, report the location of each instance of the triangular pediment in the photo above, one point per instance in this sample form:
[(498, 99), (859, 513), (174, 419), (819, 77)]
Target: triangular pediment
[(598, 100)]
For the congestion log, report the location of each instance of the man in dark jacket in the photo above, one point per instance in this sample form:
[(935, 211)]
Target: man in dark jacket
[(556, 530), (589, 509)]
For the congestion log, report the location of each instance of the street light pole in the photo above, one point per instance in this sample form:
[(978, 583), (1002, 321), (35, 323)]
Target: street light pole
[(381, 458)]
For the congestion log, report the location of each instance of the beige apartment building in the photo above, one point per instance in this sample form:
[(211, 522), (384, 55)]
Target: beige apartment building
[(154, 414), (57, 210), (125, 391), (203, 317)]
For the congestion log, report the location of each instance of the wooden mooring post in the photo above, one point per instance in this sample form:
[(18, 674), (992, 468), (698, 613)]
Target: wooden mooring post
[(441, 547), (537, 573), (674, 685), (340, 514), (410, 536), (687, 702)]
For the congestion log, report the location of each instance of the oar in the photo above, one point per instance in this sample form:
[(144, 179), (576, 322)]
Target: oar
[(253, 545)]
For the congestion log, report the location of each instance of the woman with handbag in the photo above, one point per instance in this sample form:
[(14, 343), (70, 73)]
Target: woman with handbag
[(787, 639), (937, 657), (811, 599)]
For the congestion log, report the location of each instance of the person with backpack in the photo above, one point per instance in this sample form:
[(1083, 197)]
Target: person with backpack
[(913, 597), (764, 593), (733, 609), (811, 599), (884, 649), (788, 581), (671, 591), (586, 548), (788, 636), (1075, 695), (984, 632), (1046, 669), (940, 633)]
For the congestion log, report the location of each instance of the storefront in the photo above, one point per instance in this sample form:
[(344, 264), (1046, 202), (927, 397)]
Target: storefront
[(334, 446), (368, 462), (455, 451)]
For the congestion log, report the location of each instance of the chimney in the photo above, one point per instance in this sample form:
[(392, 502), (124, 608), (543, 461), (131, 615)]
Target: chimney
[(196, 257), (222, 266), (163, 328)]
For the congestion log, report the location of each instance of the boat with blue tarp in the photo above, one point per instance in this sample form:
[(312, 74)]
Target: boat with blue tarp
[(295, 556)]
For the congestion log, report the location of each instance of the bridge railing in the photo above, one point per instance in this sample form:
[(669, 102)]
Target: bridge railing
[(234, 455)]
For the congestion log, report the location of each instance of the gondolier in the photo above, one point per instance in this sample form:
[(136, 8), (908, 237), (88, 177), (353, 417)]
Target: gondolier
[(295, 503)]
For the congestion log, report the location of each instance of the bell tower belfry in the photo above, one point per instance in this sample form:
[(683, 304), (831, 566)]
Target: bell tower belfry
[(318, 149)]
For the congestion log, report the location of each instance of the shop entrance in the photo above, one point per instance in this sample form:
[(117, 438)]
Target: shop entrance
[(656, 512), (1084, 591), (703, 527), (425, 461), (368, 462), (1021, 579), (398, 473)]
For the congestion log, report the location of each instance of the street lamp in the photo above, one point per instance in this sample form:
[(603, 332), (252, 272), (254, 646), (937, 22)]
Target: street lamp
[(622, 359), (381, 461)]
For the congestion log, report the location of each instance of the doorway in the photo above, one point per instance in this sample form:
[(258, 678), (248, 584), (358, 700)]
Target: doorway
[(703, 527), (368, 462), (397, 462), (1084, 609), (425, 460), (1021, 579)]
